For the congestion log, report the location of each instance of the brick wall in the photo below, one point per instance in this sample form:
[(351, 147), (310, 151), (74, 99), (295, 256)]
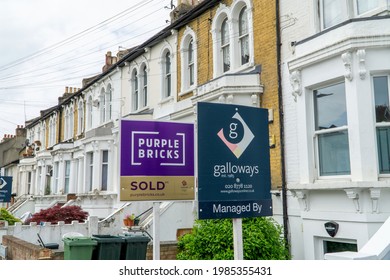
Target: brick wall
[(18, 249), (265, 54), (168, 251)]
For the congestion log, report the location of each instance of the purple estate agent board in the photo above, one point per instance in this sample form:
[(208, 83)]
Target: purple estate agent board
[(157, 161)]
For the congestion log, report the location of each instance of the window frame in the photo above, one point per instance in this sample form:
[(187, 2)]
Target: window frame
[(80, 117), (67, 171), (108, 103), (245, 36), (318, 133), (189, 66), (89, 177), (167, 65), (351, 10), (134, 90), (89, 112), (225, 47), (382, 124), (144, 79), (104, 170)]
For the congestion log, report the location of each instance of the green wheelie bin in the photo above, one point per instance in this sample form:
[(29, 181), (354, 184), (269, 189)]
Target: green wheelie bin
[(134, 247), (108, 247), (78, 248)]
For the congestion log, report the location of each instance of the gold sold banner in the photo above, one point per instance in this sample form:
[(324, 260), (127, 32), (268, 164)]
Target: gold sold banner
[(157, 161)]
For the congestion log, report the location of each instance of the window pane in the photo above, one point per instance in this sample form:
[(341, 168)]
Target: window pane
[(243, 22), (333, 151), (366, 5), (383, 139), (334, 247), (105, 156), (225, 46), (224, 33), (135, 99), (104, 170), (167, 63), (244, 45), (191, 73), (381, 92), (190, 52), (330, 107), (167, 75), (334, 12)]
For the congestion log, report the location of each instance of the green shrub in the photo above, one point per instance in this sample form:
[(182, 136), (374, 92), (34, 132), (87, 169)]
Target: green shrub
[(213, 240), (7, 216)]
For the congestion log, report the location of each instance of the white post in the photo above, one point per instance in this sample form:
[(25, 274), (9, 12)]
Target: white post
[(237, 239), (156, 230)]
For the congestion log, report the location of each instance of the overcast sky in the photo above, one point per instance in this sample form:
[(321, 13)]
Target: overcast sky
[(46, 45)]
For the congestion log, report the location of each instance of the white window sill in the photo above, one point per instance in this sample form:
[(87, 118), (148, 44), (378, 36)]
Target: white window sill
[(187, 91), (166, 100)]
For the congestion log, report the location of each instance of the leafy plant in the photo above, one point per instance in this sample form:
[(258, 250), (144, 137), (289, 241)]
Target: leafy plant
[(58, 213), (213, 240), (7, 216)]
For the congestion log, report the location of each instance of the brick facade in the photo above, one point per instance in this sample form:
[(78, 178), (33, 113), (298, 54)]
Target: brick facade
[(265, 54)]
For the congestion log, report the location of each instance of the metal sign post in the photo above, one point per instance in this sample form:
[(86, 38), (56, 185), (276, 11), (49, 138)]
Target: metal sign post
[(238, 244), (156, 230)]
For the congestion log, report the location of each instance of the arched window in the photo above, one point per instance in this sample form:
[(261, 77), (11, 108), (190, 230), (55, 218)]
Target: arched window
[(232, 31), (67, 124), (144, 86), (43, 135), (71, 122), (89, 112), (188, 52), (243, 35), (102, 98), (80, 121), (191, 63), (135, 94), (167, 75), (52, 130), (108, 102), (225, 45)]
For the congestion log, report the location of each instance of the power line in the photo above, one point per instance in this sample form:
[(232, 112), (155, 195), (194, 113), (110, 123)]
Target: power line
[(72, 38)]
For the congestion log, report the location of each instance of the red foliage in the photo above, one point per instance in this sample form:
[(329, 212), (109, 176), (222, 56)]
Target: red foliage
[(56, 214)]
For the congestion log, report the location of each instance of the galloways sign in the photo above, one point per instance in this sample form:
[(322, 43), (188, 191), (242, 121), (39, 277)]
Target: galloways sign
[(233, 162)]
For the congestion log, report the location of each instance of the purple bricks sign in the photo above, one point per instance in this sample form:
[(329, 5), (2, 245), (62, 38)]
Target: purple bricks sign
[(157, 161)]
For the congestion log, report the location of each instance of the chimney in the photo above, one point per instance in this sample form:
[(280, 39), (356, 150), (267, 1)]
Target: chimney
[(110, 60), (20, 131), (183, 6)]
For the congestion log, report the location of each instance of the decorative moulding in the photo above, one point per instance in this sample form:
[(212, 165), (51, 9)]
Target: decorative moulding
[(361, 54), (347, 60), (295, 80)]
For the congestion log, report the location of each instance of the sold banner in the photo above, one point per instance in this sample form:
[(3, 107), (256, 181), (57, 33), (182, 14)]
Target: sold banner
[(157, 161)]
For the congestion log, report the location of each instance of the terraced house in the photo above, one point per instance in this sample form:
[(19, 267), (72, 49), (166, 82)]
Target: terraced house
[(335, 67), (214, 51)]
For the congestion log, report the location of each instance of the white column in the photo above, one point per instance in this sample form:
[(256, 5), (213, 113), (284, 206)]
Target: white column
[(361, 125), (80, 175)]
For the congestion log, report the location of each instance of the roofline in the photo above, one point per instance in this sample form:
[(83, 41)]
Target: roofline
[(140, 49)]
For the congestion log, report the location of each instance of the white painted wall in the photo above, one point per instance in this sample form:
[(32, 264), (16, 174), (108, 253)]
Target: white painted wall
[(356, 202)]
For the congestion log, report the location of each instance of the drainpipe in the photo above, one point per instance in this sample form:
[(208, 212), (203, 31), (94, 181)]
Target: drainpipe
[(283, 169)]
